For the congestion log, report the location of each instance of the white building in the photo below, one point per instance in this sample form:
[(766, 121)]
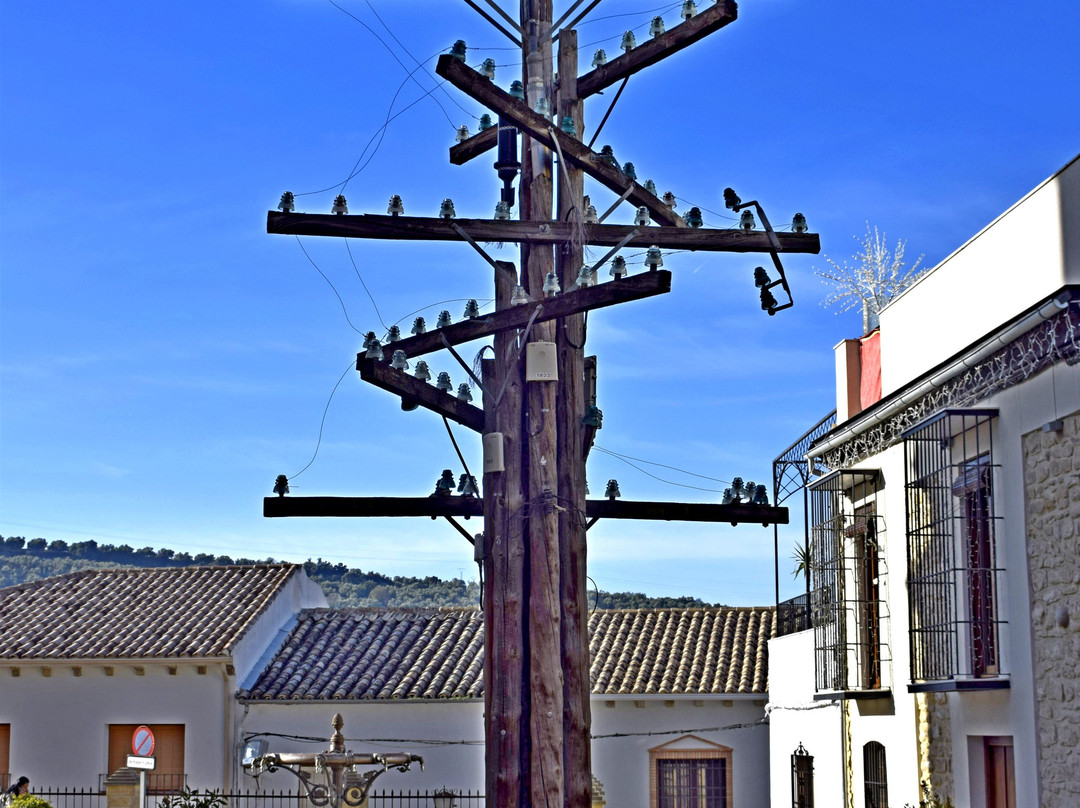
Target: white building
[(945, 528), (212, 658), (87, 657)]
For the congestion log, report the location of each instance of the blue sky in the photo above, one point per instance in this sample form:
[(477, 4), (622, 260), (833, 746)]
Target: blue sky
[(163, 358)]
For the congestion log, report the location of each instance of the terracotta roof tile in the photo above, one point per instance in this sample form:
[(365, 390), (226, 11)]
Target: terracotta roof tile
[(140, 613), (360, 654)]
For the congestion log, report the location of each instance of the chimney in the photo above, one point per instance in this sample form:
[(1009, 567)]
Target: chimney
[(848, 379), (858, 375)]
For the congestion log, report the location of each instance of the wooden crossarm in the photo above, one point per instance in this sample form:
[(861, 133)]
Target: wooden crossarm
[(418, 228), (373, 506), (540, 129), (463, 152), (427, 395), (632, 287), (647, 53), (652, 51), (472, 506)]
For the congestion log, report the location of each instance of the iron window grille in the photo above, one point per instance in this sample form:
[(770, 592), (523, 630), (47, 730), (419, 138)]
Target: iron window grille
[(954, 579), (849, 571), (875, 776), (687, 783), (802, 779)]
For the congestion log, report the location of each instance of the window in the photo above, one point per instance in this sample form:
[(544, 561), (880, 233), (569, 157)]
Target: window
[(954, 579), (690, 773), (802, 779), (168, 774), (691, 783), (875, 778), (848, 570)]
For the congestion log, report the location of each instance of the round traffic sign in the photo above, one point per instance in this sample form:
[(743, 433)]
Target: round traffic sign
[(142, 742)]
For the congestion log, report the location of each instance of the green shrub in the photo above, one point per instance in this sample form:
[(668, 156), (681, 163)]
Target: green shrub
[(29, 801)]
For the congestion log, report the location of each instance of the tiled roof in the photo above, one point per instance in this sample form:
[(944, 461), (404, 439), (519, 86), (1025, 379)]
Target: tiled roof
[(335, 654), (136, 613)]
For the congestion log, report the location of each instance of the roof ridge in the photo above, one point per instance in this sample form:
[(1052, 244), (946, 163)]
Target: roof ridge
[(289, 572)]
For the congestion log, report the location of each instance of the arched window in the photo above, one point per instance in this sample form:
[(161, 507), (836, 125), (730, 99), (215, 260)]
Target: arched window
[(874, 776)]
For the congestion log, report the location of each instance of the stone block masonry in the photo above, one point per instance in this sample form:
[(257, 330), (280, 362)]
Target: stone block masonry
[(1052, 521)]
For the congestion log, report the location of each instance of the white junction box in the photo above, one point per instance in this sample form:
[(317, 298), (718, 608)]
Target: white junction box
[(493, 453), (541, 362)]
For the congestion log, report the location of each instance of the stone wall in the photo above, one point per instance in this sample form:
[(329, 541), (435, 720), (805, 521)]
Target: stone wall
[(1052, 494), (935, 744)]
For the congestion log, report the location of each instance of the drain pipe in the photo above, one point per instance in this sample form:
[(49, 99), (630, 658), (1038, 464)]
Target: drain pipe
[(1055, 305)]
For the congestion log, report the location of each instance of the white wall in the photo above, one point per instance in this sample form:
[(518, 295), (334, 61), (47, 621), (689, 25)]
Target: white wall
[(795, 718), (1025, 255), (59, 723), (455, 760), (621, 764)]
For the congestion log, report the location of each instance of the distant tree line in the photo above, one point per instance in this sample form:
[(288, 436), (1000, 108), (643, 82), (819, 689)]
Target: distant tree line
[(23, 560)]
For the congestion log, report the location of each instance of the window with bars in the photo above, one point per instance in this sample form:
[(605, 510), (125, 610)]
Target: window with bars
[(848, 569), (875, 776), (691, 783), (954, 579), (690, 772)]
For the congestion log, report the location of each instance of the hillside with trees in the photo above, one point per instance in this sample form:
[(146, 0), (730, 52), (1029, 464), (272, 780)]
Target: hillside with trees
[(23, 560)]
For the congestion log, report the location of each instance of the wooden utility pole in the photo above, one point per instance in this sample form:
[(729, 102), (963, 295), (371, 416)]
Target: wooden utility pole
[(536, 668)]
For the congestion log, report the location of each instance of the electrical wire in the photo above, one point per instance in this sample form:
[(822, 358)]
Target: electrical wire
[(391, 52), (370, 296), (463, 742), (379, 133), (322, 422), (628, 14), (433, 305), (655, 477), (662, 465), (691, 731), (653, 12), (342, 302), (439, 85), (707, 210)]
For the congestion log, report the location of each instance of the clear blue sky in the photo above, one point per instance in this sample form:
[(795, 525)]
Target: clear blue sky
[(163, 358)]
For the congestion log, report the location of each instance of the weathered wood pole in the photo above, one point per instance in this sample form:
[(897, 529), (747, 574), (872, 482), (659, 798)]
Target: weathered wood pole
[(570, 407)]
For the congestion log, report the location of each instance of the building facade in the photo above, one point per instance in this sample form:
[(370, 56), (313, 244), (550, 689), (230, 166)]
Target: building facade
[(214, 658), (944, 520)]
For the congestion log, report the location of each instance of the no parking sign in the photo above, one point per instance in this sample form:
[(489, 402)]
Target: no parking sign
[(142, 742)]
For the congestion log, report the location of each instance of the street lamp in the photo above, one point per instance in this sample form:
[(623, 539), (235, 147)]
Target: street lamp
[(444, 798), (343, 783)]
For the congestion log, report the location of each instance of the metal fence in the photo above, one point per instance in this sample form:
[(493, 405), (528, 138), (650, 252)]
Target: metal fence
[(71, 797), (793, 615), (92, 798), (291, 799), (424, 799)]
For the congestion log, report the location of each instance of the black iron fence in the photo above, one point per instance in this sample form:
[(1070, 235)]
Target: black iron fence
[(71, 797), (92, 798), (425, 799), (793, 615), (272, 799)]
